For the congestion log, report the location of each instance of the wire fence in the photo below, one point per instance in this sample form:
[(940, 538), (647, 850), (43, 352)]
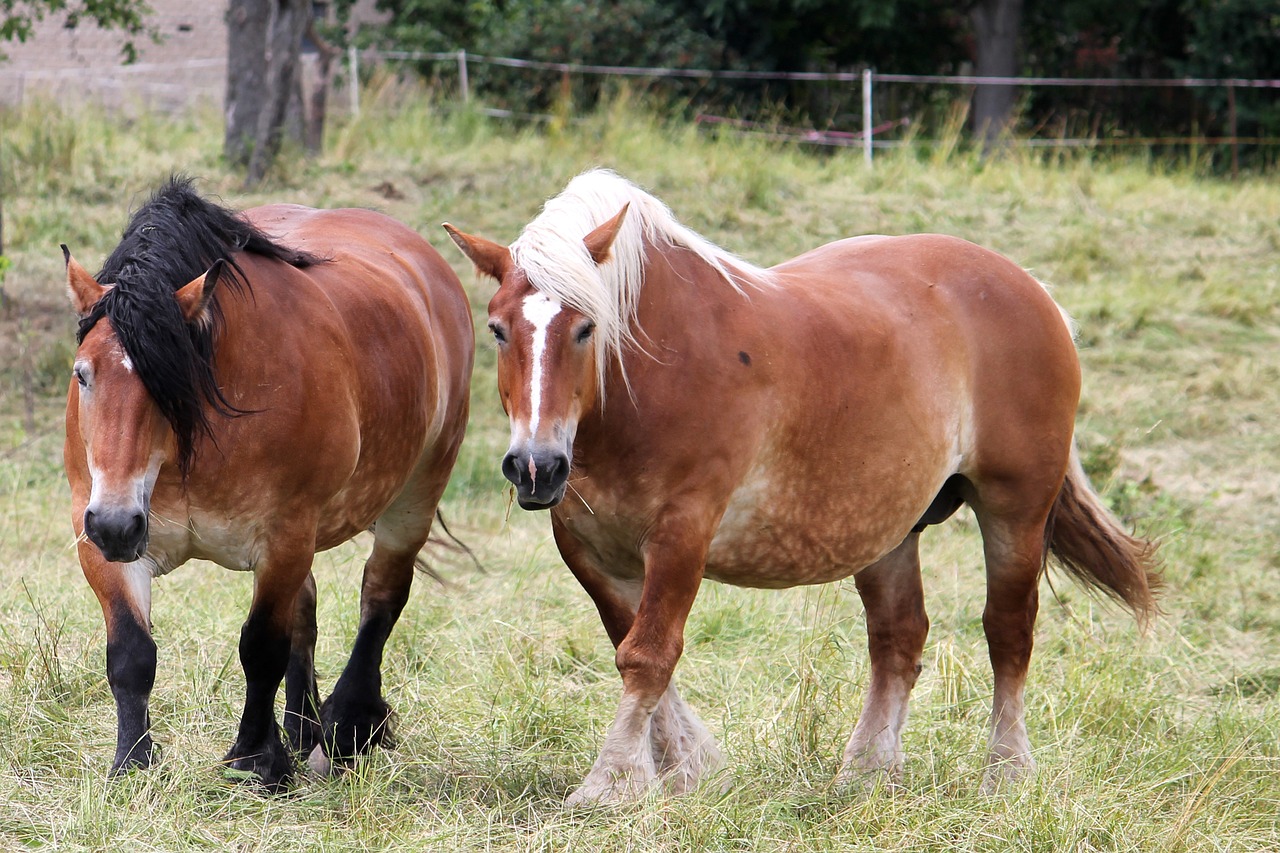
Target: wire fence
[(867, 79), (175, 86)]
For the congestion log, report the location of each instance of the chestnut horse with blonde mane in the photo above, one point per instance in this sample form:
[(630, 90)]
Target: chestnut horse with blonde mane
[(684, 414), (251, 389)]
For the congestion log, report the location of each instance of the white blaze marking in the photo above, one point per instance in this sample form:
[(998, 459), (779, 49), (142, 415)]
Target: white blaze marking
[(539, 311)]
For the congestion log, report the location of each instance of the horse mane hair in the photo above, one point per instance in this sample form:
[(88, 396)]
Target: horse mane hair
[(552, 254), (175, 237)]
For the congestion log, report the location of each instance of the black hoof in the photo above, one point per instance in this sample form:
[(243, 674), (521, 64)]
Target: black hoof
[(269, 765), (138, 756), (355, 728)]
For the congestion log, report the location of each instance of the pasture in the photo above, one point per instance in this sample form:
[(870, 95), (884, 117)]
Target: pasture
[(503, 680)]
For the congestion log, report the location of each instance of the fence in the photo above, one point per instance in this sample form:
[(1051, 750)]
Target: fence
[(178, 85), (867, 78)]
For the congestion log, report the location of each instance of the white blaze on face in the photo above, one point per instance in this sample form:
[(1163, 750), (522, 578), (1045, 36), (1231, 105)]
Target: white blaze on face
[(539, 311)]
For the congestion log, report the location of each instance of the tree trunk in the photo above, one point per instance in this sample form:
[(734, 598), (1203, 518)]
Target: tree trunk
[(318, 98), (283, 47), (247, 22), (995, 31)]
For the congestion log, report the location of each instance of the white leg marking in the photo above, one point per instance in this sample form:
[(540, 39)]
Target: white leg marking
[(539, 311), (876, 743), (1009, 750), (684, 752), (625, 770)]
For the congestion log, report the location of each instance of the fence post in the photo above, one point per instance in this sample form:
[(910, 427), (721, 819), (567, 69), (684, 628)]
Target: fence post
[(866, 116), (463, 85), (353, 77)]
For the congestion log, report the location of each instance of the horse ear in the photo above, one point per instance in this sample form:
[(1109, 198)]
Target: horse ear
[(82, 287), (601, 240), (193, 297), (489, 258)]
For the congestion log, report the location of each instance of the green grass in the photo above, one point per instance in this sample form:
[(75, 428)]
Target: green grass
[(504, 681)]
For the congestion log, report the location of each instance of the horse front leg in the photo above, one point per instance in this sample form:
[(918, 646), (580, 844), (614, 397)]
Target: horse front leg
[(124, 592), (265, 644), (635, 756)]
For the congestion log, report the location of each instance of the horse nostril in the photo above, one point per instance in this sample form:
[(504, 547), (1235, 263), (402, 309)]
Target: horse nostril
[(135, 528), (558, 469), (511, 468)]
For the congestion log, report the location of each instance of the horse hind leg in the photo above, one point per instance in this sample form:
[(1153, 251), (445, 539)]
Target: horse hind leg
[(302, 697), (897, 625), (1013, 544), (356, 718)]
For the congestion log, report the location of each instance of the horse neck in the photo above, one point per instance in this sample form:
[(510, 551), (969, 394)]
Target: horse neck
[(680, 295)]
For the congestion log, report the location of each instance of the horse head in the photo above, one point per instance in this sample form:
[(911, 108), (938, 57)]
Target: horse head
[(550, 359), (127, 436)]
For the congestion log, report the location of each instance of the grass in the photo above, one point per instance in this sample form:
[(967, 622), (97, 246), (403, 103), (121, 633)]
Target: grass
[(504, 681)]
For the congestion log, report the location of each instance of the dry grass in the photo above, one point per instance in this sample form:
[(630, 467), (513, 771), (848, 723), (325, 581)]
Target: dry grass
[(504, 680)]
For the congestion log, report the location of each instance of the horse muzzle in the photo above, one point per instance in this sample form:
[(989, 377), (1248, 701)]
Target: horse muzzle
[(119, 533), (540, 476)]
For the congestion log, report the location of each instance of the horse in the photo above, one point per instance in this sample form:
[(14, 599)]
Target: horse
[(684, 414), (250, 389)]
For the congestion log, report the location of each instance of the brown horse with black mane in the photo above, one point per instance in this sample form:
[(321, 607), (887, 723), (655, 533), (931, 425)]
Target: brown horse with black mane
[(685, 414), (251, 400)]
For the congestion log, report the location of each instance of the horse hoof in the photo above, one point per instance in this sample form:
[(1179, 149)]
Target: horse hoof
[(271, 767), (142, 756), (609, 792), (319, 764), (1000, 774)]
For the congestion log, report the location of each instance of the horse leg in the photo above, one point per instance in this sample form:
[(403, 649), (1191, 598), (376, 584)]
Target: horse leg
[(124, 592), (265, 642), (1013, 545), (302, 697), (683, 750), (355, 718), (897, 625), (646, 658)]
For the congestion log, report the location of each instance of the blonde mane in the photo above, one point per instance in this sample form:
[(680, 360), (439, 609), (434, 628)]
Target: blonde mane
[(551, 252)]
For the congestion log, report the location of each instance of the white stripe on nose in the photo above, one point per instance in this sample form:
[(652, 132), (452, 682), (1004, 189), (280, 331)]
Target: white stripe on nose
[(539, 311)]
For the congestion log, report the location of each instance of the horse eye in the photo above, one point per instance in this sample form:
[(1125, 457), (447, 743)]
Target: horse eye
[(584, 334), (78, 373), (497, 333)]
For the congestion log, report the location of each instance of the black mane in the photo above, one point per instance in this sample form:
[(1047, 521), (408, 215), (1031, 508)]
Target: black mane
[(172, 239)]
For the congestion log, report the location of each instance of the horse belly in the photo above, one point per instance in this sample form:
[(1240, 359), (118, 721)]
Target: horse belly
[(816, 531)]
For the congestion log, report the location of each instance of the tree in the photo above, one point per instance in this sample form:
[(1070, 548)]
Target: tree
[(264, 43), (996, 25)]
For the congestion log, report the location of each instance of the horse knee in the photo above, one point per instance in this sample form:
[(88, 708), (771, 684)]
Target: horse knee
[(647, 667)]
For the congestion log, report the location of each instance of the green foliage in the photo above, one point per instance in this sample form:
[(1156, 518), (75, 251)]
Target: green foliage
[(1086, 38), (19, 17)]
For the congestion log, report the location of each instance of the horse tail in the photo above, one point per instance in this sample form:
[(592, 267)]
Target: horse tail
[(1089, 542)]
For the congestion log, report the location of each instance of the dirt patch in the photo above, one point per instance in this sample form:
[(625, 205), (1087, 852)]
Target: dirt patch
[(37, 344)]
